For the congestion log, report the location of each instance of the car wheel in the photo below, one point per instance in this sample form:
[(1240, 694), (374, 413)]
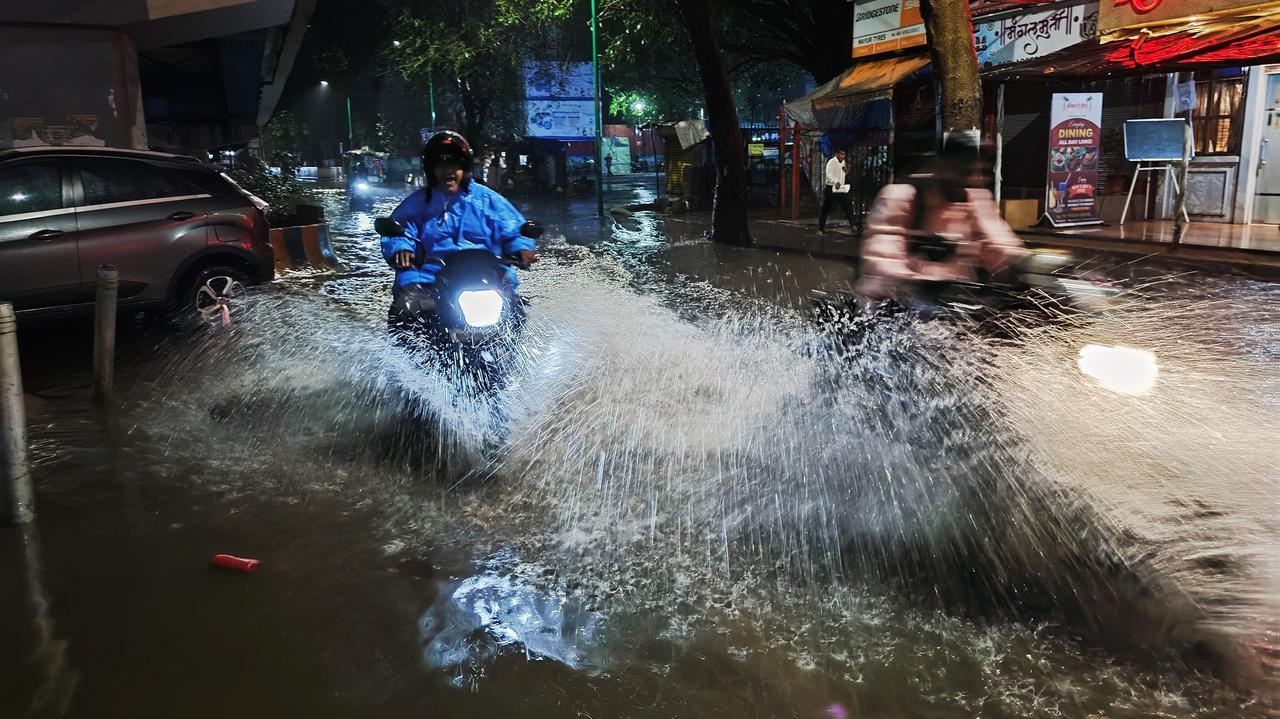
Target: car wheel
[(217, 295)]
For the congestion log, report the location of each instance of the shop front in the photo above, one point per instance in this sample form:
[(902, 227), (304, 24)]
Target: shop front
[(1204, 60)]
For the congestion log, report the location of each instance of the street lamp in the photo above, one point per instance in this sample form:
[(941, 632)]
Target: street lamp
[(350, 134), (396, 43), (638, 106)]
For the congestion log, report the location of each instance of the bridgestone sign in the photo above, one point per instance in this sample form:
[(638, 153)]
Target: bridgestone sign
[(886, 25)]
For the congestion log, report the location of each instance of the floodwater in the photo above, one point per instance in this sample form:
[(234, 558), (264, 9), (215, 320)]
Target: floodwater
[(696, 509)]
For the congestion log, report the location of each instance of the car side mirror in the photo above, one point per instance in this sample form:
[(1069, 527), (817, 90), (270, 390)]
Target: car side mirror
[(531, 230), (388, 227)]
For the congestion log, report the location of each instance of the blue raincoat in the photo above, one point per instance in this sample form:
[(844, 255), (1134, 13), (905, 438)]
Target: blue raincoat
[(439, 223)]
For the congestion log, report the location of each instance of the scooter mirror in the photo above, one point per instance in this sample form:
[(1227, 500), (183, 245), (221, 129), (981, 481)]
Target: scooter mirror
[(388, 227), (531, 230)]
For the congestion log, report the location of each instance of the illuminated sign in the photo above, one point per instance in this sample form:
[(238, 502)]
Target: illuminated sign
[(1115, 14), (1140, 6)]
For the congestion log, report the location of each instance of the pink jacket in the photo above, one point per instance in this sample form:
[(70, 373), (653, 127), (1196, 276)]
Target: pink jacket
[(985, 240)]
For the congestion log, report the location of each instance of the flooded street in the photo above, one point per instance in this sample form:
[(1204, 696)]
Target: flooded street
[(684, 504)]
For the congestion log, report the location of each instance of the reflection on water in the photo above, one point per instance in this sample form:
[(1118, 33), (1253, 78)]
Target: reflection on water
[(480, 616), (57, 681)]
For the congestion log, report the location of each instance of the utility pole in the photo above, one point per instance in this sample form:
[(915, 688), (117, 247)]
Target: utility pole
[(351, 143), (431, 98), (595, 72)]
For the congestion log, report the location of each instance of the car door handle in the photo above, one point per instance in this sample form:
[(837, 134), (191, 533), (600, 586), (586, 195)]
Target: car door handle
[(46, 235), (179, 216)]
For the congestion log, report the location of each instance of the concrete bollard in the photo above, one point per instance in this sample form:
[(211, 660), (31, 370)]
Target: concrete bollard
[(13, 424), (104, 333)]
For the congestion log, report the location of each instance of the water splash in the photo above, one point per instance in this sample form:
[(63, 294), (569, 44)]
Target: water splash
[(692, 447)]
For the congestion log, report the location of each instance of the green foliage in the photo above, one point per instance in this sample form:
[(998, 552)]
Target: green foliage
[(332, 61), (281, 192), (645, 54), (632, 107), (283, 134), (474, 51)]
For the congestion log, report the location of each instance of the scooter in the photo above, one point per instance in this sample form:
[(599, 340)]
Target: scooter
[(473, 315), (1036, 289), (360, 190)]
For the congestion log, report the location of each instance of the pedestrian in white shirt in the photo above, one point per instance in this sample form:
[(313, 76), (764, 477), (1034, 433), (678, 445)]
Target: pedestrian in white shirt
[(834, 189)]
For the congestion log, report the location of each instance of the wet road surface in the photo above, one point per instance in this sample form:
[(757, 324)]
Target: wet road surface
[(671, 531)]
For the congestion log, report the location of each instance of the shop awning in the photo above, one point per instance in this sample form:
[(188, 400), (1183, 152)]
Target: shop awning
[(1227, 40), (837, 101)]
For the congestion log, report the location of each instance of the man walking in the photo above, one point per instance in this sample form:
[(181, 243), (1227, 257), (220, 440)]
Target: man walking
[(834, 189)]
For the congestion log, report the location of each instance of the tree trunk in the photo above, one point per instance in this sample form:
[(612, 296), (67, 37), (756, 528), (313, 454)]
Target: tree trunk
[(955, 64), (473, 114), (729, 208)]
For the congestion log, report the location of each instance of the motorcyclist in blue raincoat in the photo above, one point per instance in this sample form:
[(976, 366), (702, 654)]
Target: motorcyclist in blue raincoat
[(451, 213)]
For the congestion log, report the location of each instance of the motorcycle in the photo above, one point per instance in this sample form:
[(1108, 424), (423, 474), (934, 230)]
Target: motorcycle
[(1036, 289), (473, 314), (360, 190)]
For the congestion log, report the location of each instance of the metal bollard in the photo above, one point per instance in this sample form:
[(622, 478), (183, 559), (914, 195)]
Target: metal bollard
[(13, 423), (104, 333)]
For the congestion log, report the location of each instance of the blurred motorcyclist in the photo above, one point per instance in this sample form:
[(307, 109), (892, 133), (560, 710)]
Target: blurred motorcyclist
[(450, 214), (938, 226)]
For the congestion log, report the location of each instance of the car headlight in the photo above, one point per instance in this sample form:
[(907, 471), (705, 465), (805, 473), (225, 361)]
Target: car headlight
[(481, 308)]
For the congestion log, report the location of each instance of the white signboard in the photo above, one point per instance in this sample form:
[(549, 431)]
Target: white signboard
[(561, 119), (559, 102), (558, 81), (1030, 34)]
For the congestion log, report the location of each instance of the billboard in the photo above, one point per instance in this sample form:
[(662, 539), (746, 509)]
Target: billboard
[(559, 100), (886, 25), (554, 80), (561, 119)]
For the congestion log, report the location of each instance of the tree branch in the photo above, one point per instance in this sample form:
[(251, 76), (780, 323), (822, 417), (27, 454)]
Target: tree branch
[(757, 53)]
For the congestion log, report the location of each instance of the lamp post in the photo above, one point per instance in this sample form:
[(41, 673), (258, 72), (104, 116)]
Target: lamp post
[(324, 84), (431, 97), (595, 72), (351, 143)]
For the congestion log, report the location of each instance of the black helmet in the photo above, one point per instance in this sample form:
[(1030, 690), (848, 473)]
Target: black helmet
[(446, 146)]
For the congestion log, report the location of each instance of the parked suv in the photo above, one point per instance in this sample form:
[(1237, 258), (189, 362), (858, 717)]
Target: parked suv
[(183, 236)]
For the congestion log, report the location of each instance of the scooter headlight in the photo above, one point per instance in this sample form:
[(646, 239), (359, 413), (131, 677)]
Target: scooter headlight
[(481, 308), (362, 187), (1120, 369)]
